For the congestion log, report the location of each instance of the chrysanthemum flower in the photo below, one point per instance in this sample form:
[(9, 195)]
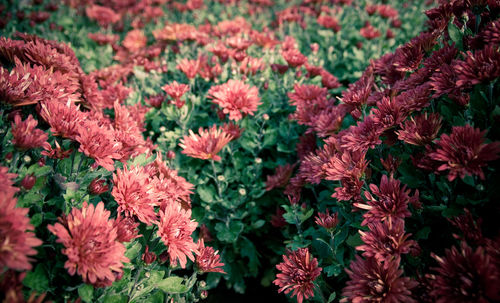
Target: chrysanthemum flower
[(326, 220), (236, 98), (135, 40), (208, 260), (91, 245), (6, 182), (371, 281), (481, 66), (329, 22), (282, 174), (103, 39), (385, 242), (297, 274), (64, 119), (391, 205), (234, 130), (294, 57), (175, 228), (464, 152), (206, 145), (26, 135), (363, 136), (465, 275), (103, 15), (17, 243), (421, 129), (99, 143), (135, 194), (369, 32), (176, 90), (189, 67)]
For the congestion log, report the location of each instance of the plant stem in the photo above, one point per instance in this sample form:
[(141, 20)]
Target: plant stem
[(219, 191)]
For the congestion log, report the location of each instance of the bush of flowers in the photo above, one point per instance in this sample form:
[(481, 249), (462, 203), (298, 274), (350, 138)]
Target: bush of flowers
[(161, 150)]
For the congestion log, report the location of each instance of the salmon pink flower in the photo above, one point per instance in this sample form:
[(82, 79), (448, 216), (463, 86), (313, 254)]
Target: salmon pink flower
[(103, 15), (236, 98), (464, 152), (17, 243), (135, 40), (176, 90), (297, 274), (206, 144), (175, 228), (135, 194), (91, 245), (189, 67), (26, 135), (208, 260)]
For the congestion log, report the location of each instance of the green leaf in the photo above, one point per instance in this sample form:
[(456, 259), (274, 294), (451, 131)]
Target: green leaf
[(86, 293), (115, 299), (258, 224), (332, 297), (354, 240), (248, 250), (173, 285), (307, 215), (423, 233), (206, 193), (229, 232), (37, 279), (455, 34), (36, 219), (133, 250)]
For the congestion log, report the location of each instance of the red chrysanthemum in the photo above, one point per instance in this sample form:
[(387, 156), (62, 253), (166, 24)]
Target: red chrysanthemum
[(206, 145), (99, 143), (135, 40), (236, 98), (421, 129), (384, 242), (391, 204), (464, 152), (481, 66), (189, 67), (294, 57), (329, 22), (363, 136), (26, 135), (64, 119), (176, 90), (17, 242), (371, 281), (298, 272), (135, 194), (465, 275), (208, 260), (6, 182), (282, 174), (369, 32), (326, 220), (91, 244), (103, 15), (175, 228)]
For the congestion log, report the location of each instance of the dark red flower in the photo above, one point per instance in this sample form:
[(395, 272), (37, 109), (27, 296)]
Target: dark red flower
[(26, 135), (28, 181), (282, 174), (465, 275), (148, 257), (98, 186), (464, 152), (327, 221), (369, 32), (480, 66), (421, 129), (371, 281), (297, 274), (363, 136), (294, 57)]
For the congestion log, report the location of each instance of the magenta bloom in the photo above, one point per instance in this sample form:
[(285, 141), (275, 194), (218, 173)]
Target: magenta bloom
[(298, 272), (26, 135), (236, 98), (91, 244), (464, 152)]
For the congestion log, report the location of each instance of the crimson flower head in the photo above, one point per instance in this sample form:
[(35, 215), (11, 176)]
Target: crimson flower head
[(282, 174), (99, 143), (103, 15), (208, 260), (481, 66), (98, 186), (206, 144), (17, 243), (134, 194), (126, 228), (369, 32), (236, 98), (421, 129), (327, 221), (297, 274), (465, 275), (26, 135), (91, 245), (464, 152), (176, 90), (294, 57), (372, 281), (234, 130), (175, 228)]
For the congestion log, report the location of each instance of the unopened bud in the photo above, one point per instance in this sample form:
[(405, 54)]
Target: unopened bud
[(98, 186), (171, 154), (28, 181), (204, 294), (265, 117), (258, 160), (221, 178), (242, 191), (27, 159), (148, 257)]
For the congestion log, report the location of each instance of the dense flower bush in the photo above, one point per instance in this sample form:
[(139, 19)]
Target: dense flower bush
[(331, 151)]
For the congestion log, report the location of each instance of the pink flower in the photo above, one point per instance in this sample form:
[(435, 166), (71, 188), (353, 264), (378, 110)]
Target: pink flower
[(91, 245), (282, 174), (206, 145), (369, 32), (207, 260), (294, 57), (135, 40), (99, 143), (175, 228), (176, 91), (297, 274), (189, 67), (236, 98), (16, 242), (421, 129), (103, 15), (26, 135), (464, 152), (327, 221), (135, 194)]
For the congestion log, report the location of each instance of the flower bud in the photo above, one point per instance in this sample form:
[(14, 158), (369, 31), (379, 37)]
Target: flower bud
[(28, 181), (126, 229), (148, 257), (98, 186), (204, 294), (265, 117), (170, 154)]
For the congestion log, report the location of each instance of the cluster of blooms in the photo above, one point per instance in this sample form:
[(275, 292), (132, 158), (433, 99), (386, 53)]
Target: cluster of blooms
[(390, 102)]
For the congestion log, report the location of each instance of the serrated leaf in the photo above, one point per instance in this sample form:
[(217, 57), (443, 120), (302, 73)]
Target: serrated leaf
[(133, 250), (354, 240), (206, 193), (37, 279)]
